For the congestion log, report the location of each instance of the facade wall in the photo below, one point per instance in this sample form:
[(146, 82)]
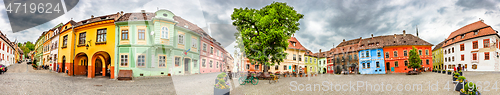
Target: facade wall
[(6, 53), (322, 65), (311, 63), (371, 61), (210, 56), (454, 59), (397, 63), (438, 59), (65, 50)]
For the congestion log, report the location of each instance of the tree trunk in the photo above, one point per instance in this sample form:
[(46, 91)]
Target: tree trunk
[(265, 68)]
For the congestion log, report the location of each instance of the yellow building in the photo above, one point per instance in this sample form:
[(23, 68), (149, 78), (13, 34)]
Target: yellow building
[(65, 52), (94, 46)]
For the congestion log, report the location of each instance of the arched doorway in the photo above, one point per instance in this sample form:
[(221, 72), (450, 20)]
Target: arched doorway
[(63, 67), (102, 64), (80, 64), (324, 70)]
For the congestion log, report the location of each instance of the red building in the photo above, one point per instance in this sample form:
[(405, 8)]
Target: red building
[(397, 49)]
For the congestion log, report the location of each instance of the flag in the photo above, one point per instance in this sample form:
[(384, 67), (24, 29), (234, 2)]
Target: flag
[(185, 53)]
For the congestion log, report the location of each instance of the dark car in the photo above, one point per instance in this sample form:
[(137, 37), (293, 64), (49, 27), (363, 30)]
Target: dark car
[(3, 69)]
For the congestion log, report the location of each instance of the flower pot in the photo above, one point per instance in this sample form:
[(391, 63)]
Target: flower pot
[(439, 71), (459, 86), (454, 79), (449, 73), (301, 75), (444, 72), (307, 75), (218, 91), (461, 74)]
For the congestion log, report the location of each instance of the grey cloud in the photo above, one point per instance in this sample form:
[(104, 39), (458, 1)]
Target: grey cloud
[(442, 10), (223, 33), (477, 4)]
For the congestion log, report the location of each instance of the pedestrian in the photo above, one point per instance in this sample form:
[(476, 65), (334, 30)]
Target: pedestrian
[(454, 69)]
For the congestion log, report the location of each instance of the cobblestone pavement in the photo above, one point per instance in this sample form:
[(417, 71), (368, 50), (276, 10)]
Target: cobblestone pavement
[(387, 84), (22, 79)]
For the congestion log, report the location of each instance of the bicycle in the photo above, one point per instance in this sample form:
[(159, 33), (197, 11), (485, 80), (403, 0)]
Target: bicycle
[(248, 79), (273, 79)]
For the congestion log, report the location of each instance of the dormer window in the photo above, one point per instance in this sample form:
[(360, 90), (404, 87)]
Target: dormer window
[(463, 35), (452, 39), (293, 43), (475, 32)]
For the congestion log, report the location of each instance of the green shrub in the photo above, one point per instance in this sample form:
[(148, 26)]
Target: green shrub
[(456, 74)]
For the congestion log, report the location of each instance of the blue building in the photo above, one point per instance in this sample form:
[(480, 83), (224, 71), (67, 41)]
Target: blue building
[(371, 56)]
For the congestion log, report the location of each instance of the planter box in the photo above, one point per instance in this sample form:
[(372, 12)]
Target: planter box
[(459, 86), (449, 73), (221, 91), (439, 71)]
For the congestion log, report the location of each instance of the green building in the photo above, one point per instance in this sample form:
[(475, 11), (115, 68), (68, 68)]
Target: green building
[(156, 44), (311, 62)]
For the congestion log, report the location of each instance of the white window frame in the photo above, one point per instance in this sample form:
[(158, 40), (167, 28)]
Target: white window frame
[(193, 43), (195, 62), (203, 61), (204, 46), (177, 60), (211, 63), (164, 32), (127, 59), (137, 60), (180, 39), (162, 62)]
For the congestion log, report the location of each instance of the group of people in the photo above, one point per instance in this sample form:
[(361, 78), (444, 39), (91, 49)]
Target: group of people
[(45, 66), (459, 68)]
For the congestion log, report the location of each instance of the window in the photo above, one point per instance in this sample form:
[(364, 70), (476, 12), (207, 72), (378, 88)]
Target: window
[(123, 60), (161, 61), (405, 53), (203, 62), (284, 67), (378, 64), (164, 32), (474, 45), (124, 34), (368, 65), (367, 53), (305, 59), (204, 47), (486, 43), (256, 67), (386, 54), (419, 52), (406, 62), (427, 52), (141, 34), (474, 56), (101, 35), (474, 66), (276, 67), (81, 40), (310, 60), (193, 42), (462, 47), (248, 66), (211, 50), (475, 32), (178, 59), (396, 64), (195, 62), (181, 39), (364, 65), (294, 57), (65, 41), (453, 58), (210, 63), (379, 53), (462, 57), (427, 61), (300, 57), (140, 60), (395, 53), (486, 55)]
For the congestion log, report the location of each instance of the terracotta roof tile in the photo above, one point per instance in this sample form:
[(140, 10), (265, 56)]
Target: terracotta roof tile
[(468, 32), (438, 46), (297, 44)]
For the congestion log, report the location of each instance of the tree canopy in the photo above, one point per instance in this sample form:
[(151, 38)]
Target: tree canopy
[(263, 33), (414, 59)]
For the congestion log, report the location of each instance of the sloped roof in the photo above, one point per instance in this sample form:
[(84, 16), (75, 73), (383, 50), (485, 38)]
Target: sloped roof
[(95, 19), (297, 44), (467, 32), (438, 46), (386, 40)]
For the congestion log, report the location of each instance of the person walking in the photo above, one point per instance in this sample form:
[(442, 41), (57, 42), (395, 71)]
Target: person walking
[(454, 69)]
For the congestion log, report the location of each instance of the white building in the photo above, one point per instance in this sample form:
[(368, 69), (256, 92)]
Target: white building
[(474, 46), (7, 55)]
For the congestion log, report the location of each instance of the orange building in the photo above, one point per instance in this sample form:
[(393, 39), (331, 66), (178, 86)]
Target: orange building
[(397, 49)]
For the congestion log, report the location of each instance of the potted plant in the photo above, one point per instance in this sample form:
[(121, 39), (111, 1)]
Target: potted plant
[(439, 71), (300, 74), (460, 83), (221, 86), (455, 76), (443, 71), (469, 89), (449, 72)]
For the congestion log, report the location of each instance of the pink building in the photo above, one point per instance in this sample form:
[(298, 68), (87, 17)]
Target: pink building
[(212, 55)]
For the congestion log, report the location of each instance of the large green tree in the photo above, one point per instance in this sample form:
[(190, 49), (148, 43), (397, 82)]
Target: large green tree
[(414, 59), (263, 33)]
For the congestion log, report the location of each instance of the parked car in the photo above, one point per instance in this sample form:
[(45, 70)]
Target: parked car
[(28, 61), (3, 69)]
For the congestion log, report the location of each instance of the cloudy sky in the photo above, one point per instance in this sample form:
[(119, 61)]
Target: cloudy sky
[(325, 23)]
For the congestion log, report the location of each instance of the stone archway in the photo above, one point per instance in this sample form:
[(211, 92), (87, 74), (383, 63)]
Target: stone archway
[(101, 65)]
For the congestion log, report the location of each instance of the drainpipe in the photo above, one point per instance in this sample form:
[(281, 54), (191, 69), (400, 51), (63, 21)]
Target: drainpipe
[(73, 51)]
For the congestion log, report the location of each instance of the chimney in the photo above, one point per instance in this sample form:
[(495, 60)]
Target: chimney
[(394, 35), (92, 16), (343, 40), (319, 50), (404, 33), (143, 11), (121, 12), (372, 36)]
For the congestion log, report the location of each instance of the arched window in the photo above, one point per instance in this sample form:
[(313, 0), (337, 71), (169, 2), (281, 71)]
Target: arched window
[(164, 32), (474, 66)]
